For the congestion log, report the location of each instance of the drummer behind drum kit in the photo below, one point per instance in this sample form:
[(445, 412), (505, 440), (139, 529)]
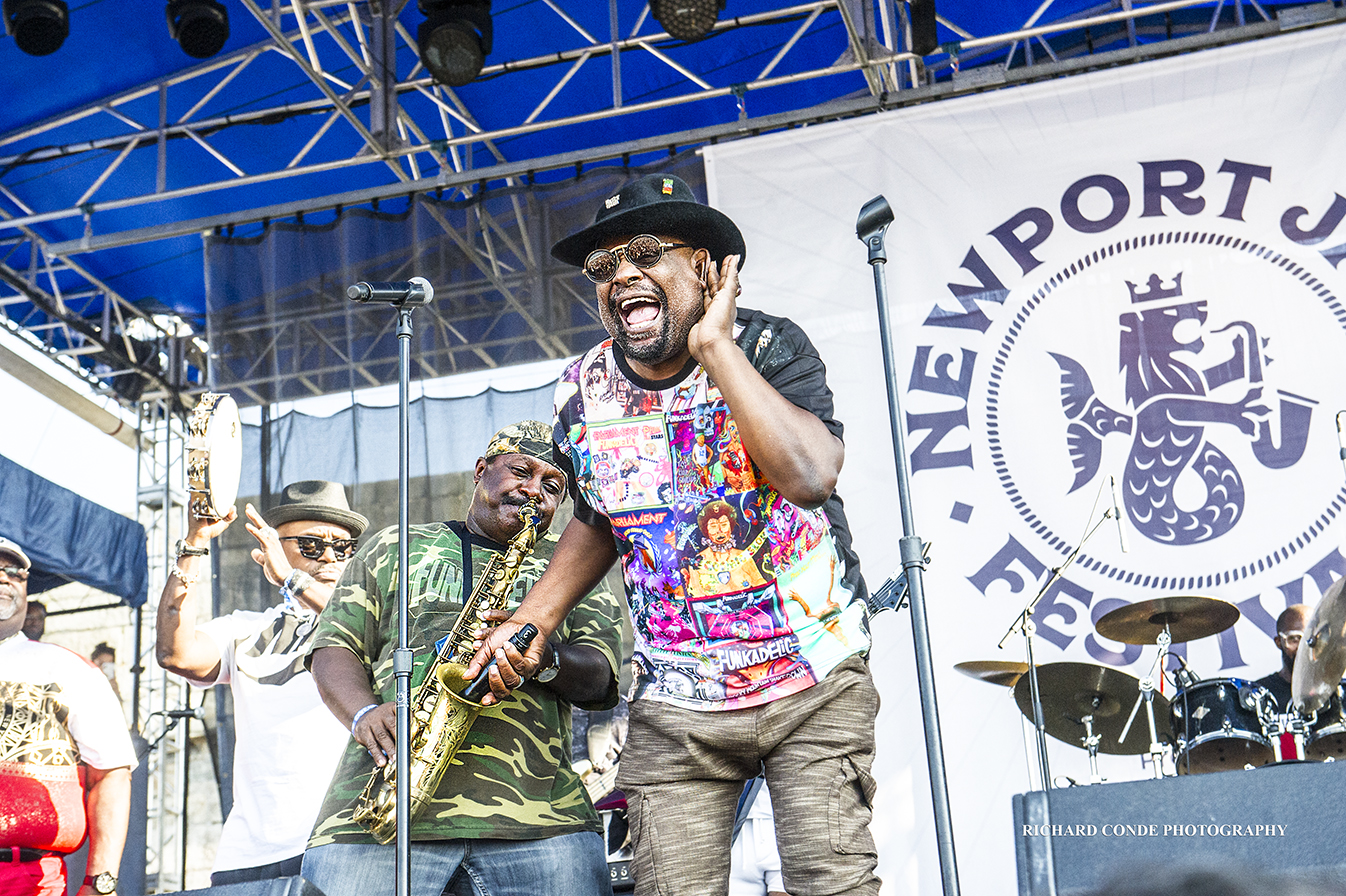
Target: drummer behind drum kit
[(1210, 725)]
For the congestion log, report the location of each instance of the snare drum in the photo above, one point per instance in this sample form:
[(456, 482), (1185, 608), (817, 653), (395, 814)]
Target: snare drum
[(214, 456), (1219, 726), (1327, 740)]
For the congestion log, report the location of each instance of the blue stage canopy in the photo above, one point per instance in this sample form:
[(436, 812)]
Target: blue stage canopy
[(72, 539)]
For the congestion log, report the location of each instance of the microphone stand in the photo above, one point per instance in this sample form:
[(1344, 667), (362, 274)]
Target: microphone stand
[(1024, 623), (405, 298), (875, 216)]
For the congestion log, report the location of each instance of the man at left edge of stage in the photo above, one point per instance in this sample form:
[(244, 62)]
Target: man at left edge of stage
[(68, 756), (511, 815)]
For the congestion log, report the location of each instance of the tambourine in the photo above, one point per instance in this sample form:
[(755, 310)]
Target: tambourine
[(214, 456)]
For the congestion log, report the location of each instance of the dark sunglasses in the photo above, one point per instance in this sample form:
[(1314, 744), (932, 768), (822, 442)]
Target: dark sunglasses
[(643, 251), (313, 548), (15, 573)]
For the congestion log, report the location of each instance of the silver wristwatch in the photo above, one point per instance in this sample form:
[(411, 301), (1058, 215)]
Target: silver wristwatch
[(548, 672), (183, 549)]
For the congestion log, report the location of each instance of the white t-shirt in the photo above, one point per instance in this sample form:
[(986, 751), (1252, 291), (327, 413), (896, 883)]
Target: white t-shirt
[(287, 742), (95, 719), (56, 712), (754, 860)]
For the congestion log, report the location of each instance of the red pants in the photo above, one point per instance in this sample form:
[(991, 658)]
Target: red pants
[(45, 877)]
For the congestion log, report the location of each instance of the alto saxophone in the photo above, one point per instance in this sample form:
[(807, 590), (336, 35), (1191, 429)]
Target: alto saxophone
[(440, 718)]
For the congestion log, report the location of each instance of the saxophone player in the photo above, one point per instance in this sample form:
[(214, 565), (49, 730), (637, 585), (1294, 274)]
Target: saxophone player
[(510, 815)]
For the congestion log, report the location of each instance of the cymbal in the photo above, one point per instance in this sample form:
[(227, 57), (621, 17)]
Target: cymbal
[(999, 672), (1321, 658), (1189, 618), (1071, 691)]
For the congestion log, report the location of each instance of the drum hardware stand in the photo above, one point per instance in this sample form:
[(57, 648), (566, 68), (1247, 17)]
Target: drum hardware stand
[(405, 297), (1277, 725), (1091, 741), (1146, 696), (1024, 623), (870, 226)]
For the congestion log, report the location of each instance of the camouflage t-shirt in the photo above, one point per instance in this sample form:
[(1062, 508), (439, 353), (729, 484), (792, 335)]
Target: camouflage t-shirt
[(511, 779)]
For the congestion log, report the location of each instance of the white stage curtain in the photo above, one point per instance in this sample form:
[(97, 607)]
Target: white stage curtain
[(1044, 344)]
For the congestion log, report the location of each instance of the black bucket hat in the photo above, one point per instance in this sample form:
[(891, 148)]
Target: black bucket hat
[(660, 204), (318, 500)]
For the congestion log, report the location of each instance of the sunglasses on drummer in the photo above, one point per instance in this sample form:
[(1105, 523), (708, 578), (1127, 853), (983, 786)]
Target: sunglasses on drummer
[(644, 251), (313, 548), (15, 573)]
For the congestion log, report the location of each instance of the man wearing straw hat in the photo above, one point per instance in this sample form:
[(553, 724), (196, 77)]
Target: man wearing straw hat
[(287, 743)]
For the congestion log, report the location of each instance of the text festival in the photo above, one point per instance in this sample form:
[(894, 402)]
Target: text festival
[(1165, 189)]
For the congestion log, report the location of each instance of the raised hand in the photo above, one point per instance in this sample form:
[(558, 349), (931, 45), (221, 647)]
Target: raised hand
[(720, 290)]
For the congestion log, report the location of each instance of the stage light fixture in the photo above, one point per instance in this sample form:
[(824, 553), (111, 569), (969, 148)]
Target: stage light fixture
[(38, 27), (687, 20), (199, 26), (455, 39), (924, 27)]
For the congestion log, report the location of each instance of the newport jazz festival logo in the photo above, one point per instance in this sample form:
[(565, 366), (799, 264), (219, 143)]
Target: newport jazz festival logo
[(1174, 327)]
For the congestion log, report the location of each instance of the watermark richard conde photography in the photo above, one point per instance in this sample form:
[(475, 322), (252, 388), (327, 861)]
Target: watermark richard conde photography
[(1154, 830)]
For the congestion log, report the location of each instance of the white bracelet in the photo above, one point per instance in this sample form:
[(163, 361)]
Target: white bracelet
[(360, 714), (187, 578)]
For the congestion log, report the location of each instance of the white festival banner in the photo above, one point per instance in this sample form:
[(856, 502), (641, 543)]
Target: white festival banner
[(1134, 275)]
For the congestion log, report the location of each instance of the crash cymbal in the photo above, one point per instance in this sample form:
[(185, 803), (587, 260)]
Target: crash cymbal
[(1189, 618), (1071, 691), (1321, 658), (998, 672)]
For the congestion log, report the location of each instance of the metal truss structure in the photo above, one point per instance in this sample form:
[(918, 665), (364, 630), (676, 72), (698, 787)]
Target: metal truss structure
[(161, 500), (359, 102)]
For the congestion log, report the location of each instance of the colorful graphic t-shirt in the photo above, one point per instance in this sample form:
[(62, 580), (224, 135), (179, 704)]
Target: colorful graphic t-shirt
[(511, 779), (737, 596), (57, 712)]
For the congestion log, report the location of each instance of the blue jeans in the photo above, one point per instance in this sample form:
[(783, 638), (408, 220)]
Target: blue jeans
[(566, 865)]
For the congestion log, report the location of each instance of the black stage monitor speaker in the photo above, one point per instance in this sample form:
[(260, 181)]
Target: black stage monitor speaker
[(1284, 821), (924, 37), (280, 886)]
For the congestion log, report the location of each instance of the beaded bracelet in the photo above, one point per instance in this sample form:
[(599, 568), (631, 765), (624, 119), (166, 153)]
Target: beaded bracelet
[(187, 578)]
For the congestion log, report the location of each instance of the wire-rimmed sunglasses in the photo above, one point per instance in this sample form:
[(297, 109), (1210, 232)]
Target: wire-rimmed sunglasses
[(643, 251), (15, 573), (313, 548)]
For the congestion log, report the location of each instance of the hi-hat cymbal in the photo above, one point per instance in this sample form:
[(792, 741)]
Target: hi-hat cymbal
[(1188, 617), (1071, 691), (1321, 658), (999, 672)]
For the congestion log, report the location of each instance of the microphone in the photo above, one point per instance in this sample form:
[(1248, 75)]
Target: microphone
[(1184, 677), (413, 292), (1341, 437), (185, 713), (1117, 515)]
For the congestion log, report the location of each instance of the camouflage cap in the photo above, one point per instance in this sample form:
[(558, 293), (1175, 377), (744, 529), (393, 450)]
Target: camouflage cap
[(530, 437)]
